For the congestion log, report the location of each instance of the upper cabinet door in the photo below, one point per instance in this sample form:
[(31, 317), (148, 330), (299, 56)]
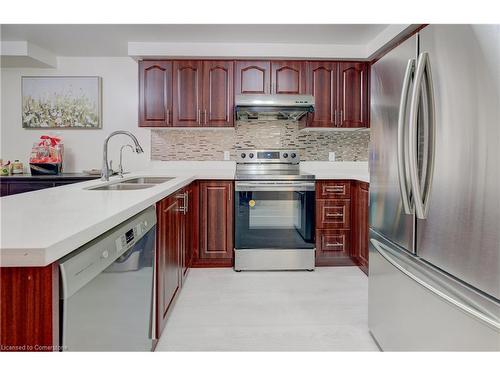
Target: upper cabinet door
[(218, 95), (187, 94), (155, 93), (288, 77), (252, 77), (322, 84), (353, 95)]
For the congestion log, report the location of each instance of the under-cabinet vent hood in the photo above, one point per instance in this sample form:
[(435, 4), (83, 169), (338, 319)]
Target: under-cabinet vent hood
[(277, 106)]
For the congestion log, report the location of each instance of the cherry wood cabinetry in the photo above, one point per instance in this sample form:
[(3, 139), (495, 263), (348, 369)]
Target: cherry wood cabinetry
[(288, 77), (218, 97), (216, 224), (353, 95), (169, 247), (29, 314), (360, 230), (192, 233), (341, 94), (252, 77), (333, 223), (194, 93), (187, 92), (322, 84), (155, 93), (342, 223)]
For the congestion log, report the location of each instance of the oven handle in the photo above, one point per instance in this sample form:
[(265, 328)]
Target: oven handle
[(274, 186)]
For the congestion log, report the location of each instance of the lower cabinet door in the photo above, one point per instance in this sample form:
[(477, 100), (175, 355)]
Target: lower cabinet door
[(333, 247), (360, 230), (216, 222), (168, 249)]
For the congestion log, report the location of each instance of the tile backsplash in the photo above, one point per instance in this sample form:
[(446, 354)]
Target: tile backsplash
[(210, 144)]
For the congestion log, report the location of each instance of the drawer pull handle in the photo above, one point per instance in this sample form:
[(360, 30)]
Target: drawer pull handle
[(336, 189), (334, 244), (334, 215)]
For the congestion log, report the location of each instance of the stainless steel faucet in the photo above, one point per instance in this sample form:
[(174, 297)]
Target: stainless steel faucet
[(120, 166), (105, 165)]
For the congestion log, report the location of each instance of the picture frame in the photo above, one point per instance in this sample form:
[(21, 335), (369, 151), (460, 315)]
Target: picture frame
[(61, 102)]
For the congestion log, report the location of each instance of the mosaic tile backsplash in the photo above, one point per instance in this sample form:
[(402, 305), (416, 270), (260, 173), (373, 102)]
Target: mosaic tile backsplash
[(210, 144)]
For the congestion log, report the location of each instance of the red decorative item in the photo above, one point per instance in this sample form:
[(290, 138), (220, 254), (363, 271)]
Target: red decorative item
[(47, 156)]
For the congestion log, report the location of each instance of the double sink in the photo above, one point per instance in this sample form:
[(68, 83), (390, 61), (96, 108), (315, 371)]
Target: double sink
[(136, 183)]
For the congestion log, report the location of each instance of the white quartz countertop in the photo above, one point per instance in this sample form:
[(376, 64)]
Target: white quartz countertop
[(40, 227)]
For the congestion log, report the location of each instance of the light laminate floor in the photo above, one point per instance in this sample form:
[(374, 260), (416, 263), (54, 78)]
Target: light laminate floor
[(222, 310)]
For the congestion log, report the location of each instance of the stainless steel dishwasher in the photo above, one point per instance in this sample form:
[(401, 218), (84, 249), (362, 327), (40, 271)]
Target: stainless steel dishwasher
[(107, 289)]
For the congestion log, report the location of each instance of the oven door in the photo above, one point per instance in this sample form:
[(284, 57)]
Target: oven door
[(274, 215)]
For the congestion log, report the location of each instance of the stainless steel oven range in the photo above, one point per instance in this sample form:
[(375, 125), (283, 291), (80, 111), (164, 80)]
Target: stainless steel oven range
[(274, 212)]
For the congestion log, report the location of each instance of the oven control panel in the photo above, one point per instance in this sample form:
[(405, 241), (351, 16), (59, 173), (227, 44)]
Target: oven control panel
[(268, 156)]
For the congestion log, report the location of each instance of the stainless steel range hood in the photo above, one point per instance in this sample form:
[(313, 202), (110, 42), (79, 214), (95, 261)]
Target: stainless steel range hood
[(277, 106)]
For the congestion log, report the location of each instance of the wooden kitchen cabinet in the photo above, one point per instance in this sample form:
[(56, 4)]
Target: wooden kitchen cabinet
[(333, 247), (29, 314), (288, 77), (252, 77), (340, 92), (322, 79), (155, 93), (361, 225), (333, 223), (192, 233), (353, 95), (218, 96), (187, 92), (216, 224), (169, 247)]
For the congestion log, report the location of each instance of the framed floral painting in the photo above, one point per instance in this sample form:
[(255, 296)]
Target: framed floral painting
[(61, 102)]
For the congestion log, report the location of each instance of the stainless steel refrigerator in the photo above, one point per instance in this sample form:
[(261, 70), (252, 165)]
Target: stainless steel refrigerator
[(434, 259)]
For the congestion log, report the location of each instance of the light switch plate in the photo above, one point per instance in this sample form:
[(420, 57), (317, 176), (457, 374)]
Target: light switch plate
[(226, 155), (331, 156)]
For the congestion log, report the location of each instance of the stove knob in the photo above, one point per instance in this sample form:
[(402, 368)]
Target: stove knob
[(250, 155), (243, 155), (285, 155), (293, 155)]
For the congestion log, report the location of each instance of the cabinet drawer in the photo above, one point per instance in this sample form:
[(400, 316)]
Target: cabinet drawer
[(333, 214), (333, 189), (333, 248)]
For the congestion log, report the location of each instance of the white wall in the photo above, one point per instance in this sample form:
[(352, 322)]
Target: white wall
[(83, 148)]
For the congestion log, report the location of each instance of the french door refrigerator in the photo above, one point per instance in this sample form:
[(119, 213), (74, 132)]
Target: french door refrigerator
[(434, 262)]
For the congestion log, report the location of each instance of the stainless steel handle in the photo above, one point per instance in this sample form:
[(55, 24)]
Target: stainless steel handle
[(334, 215), (402, 149), (183, 207), (334, 244), (199, 116), (263, 186), (205, 117), (186, 202), (454, 301), (335, 189), (421, 186), (168, 116)]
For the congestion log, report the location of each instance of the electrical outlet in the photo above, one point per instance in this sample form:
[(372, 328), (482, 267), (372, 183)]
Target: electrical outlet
[(226, 155), (331, 156)]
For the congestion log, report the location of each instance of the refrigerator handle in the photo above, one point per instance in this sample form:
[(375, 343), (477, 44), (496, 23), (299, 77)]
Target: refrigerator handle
[(421, 187), (456, 301), (402, 150)]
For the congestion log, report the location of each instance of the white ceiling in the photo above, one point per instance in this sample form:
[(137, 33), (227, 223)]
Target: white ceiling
[(112, 40)]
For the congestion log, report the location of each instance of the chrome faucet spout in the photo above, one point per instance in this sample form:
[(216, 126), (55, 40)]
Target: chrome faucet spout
[(105, 164)]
